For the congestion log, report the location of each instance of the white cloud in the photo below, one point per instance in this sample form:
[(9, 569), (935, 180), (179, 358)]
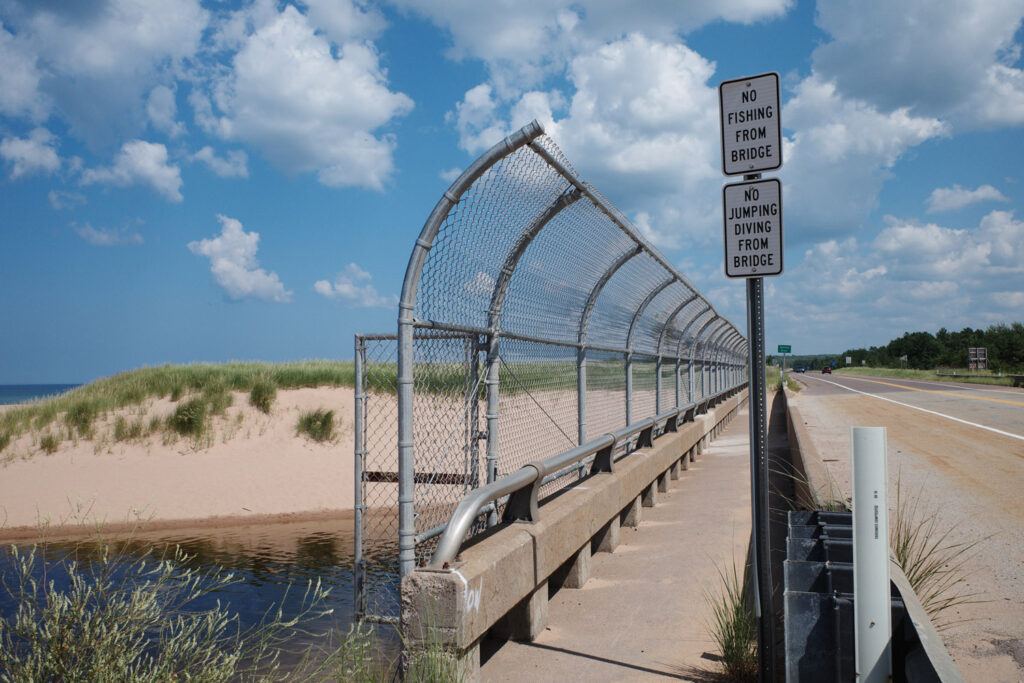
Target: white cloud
[(140, 163), (305, 108), (234, 166), (840, 155), (100, 59), (163, 111), (106, 237), (345, 20), (449, 175), (912, 276), (34, 154), (938, 57), (524, 41), (59, 199), (19, 79), (352, 286), (234, 266), (956, 197)]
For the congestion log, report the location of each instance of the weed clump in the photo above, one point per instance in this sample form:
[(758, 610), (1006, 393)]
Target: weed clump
[(733, 626), (934, 564), (263, 394), (189, 418), (127, 431), (80, 416), (49, 442), (5, 439), (317, 424)]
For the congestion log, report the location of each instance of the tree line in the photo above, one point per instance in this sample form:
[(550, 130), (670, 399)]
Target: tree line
[(924, 350)]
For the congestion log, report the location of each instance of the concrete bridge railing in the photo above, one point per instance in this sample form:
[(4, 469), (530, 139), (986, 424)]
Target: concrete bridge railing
[(500, 582)]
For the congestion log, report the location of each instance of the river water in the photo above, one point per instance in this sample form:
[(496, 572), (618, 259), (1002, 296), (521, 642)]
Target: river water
[(274, 562)]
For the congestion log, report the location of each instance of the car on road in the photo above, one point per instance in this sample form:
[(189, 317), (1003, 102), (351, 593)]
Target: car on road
[(826, 370), (799, 368)]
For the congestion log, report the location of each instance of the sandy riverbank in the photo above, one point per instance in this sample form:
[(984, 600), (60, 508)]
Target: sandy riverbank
[(250, 466)]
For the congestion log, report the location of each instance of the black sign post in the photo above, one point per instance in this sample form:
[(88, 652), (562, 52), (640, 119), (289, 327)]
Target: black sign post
[(752, 223)]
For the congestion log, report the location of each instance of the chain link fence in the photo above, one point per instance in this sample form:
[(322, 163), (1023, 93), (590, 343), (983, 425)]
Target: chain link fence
[(533, 318)]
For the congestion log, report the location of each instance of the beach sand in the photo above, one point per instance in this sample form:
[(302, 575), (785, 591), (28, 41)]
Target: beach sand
[(249, 467)]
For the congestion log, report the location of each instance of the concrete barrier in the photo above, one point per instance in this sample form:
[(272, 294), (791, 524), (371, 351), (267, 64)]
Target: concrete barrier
[(815, 489), (502, 580)]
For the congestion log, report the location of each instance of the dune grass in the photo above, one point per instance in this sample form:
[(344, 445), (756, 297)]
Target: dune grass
[(316, 424), (74, 414)]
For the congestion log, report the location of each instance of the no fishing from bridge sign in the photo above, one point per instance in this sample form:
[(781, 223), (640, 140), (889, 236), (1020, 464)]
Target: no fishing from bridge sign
[(753, 228), (751, 128)]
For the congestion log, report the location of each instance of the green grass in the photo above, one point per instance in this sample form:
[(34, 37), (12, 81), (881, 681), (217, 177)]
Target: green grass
[(733, 626), (929, 375), (317, 424)]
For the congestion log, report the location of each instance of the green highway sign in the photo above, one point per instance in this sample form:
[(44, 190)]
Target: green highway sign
[(785, 348)]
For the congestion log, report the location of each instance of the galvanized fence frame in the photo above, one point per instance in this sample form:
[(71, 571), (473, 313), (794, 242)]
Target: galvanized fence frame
[(572, 324)]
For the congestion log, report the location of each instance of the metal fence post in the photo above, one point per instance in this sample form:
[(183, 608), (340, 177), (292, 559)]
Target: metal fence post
[(629, 387), (359, 440), (491, 382), (472, 415)]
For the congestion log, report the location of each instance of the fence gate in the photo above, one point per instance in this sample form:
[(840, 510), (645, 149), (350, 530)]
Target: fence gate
[(453, 380)]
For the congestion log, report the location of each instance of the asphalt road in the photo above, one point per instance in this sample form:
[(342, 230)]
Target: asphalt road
[(957, 451), (983, 407)]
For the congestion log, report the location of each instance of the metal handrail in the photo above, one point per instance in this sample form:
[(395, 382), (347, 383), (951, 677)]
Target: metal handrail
[(522, 486)]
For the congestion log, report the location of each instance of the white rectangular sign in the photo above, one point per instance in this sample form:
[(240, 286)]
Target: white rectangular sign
[(753, 228), (751, 124)]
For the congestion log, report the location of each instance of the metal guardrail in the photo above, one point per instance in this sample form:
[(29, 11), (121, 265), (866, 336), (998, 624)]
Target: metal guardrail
[(522, 487)]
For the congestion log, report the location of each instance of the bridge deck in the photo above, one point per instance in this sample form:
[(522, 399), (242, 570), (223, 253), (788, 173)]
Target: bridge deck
[(642, 615)]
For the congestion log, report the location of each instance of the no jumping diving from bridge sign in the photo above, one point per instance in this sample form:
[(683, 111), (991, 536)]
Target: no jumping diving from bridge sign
[(753, 228)]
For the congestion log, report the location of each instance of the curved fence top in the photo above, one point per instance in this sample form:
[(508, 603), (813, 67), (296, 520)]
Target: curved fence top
[(520, 246)]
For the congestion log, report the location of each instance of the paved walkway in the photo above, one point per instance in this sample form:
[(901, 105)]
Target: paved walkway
[(642, 615)]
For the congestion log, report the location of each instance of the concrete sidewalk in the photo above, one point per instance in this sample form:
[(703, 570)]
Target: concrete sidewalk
[(642, 615)]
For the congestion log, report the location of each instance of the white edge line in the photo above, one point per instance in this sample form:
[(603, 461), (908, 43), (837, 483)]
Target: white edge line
[(925, 410)]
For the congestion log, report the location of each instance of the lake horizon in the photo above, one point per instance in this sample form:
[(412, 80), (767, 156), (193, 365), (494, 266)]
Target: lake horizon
[(13, 394)]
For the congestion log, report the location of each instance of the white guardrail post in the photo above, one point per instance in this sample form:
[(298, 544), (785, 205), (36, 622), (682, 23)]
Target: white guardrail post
[(871, 591)]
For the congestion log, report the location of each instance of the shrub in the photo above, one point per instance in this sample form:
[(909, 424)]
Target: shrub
[(189, 418), (5, 439), (317, 425), (49, 442), (263, 393)]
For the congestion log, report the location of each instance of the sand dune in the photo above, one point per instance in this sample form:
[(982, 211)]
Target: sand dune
[(249, 465)]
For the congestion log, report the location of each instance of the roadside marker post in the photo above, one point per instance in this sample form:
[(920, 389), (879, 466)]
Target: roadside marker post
[(752, 224)]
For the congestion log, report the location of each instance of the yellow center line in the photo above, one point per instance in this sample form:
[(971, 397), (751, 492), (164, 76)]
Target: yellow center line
[(935, 391)]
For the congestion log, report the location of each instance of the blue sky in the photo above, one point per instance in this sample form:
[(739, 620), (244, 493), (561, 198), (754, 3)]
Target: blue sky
[(212, 181)]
